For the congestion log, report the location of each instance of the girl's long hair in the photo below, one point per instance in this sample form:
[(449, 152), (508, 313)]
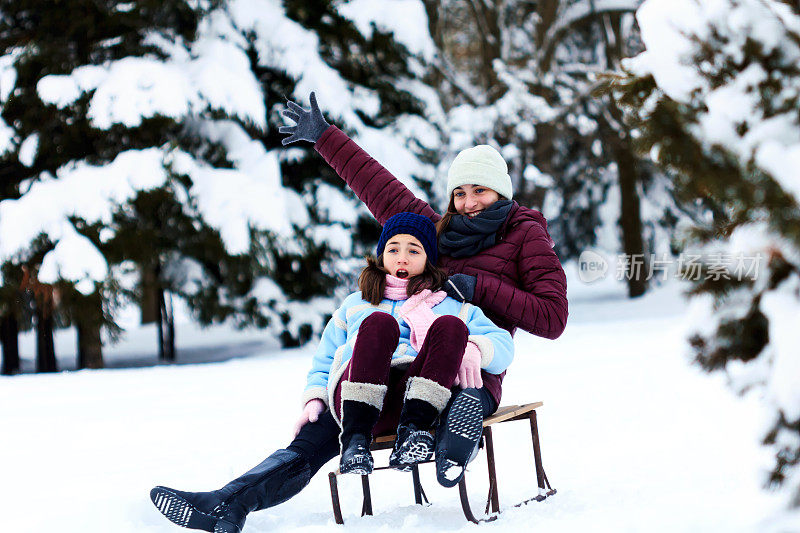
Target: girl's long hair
[(372, 281)]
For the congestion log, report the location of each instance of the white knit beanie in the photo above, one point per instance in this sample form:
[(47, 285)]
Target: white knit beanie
[(480, 165)]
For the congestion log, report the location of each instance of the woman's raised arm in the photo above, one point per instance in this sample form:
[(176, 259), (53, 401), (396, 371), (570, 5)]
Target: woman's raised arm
[(382, 193)]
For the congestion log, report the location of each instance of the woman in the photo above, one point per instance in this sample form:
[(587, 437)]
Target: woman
[(498, 256)]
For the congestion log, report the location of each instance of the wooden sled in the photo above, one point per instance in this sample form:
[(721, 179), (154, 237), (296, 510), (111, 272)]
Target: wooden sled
[(508, 413)]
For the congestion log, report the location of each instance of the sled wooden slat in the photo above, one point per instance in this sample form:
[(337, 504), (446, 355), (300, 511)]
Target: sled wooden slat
[(510, 411), (384, 439), (506, 413)]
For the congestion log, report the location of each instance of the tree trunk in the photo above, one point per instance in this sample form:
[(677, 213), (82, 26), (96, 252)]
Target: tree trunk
[(612, 23), (9, 342), (433, 10), (547, 11), (160, 327), (166, 329), (45, 348), (171, 330), (630, 213), (149, 302), (631, 221), (90, 346), (488, 29), (88, 325)]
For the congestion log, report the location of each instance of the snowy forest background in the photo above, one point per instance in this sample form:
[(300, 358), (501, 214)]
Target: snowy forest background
[(142, 169)]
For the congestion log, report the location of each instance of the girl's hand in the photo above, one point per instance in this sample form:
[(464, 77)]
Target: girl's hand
[(469, 373), (310, 124), (311, 412)]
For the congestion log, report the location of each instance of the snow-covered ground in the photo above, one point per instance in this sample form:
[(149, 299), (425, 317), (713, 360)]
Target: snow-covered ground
[(633, 438)]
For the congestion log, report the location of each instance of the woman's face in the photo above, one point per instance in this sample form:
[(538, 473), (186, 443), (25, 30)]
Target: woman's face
[(472, 199), (404, 256)]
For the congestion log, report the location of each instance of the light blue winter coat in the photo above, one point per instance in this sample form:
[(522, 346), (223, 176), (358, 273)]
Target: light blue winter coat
[(338, 340)]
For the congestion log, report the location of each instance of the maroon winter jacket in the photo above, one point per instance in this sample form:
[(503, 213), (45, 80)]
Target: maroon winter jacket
[(520, 280)]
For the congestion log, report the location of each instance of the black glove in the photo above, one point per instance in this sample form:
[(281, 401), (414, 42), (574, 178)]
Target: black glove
[(461, 287), (310, 124)]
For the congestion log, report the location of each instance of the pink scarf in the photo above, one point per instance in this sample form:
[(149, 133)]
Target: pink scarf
[(396, 288), (416, 310)]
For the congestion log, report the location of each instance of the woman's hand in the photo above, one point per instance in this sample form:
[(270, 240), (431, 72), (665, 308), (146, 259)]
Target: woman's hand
[(461, 287), (310, 124), (314, 407), (469, 373)]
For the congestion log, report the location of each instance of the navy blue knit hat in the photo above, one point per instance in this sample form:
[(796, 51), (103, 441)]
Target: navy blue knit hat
[(411, 224)]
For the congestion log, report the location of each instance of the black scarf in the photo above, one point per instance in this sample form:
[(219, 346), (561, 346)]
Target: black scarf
[(465, 237)]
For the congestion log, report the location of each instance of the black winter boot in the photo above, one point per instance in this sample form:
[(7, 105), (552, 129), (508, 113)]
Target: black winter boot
[(458, 436), (412, 446), (358, 419), (356, 457), (361, 407), (279, 477), (422, 404)]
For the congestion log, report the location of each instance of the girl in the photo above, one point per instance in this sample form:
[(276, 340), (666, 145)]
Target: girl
[(392, 351), (388, 358)]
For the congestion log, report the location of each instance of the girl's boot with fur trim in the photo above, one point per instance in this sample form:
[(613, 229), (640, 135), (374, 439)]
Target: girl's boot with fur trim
[(423, 402), (361, 407), (276, 479), (358, 419)]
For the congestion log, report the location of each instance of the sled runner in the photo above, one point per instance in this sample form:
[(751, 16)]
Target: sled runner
[(506, 413)]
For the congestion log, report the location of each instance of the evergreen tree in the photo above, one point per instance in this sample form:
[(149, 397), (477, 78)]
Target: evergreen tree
[(111, 88), (157, 130), (367, 79), (522, 75), (388, 111), (714, 100)]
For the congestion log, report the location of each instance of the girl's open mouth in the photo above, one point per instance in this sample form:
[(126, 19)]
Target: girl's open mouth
[(402, 274)]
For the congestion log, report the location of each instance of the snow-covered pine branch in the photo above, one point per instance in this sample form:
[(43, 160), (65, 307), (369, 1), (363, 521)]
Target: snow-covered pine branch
[(188, 117), (715, 96)]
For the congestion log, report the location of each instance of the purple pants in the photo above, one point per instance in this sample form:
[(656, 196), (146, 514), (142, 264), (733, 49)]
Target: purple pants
[(439, 359)]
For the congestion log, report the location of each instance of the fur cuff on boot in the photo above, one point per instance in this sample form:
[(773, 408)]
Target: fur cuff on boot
[(427, 390), (368, 393)]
